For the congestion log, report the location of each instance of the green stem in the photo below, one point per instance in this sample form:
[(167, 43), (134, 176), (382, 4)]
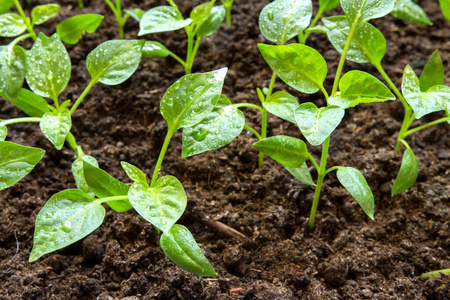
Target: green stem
[(442, 120), (177, 58), (19, 39), (80, 3), (170, 132), (25, 19), (190, 48), (194, 53), (246, 127), (20, 120), (238, 105), (228, 9), (330, 170), (405, 144), (86, 90), (302, 37), (405, 125), (314, 162), (264, 118), (386, 77), (113, 198), (72, 142), (117, 10), (434, 273)]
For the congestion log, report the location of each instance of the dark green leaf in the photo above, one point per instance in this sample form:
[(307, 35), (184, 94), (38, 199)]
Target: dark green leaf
[(160, 19), (411, 12), (78, 173), (286, 150), (67, 217), (408, 173), (282, 105), (5, 5), (11, 25), (362, 11), (355, 183), (12, 71), (212, 22), (72, 30), (325, 5), (302, 174), (445, 7), (433, 73), (153, 49), (32, 104), (55, 126), (135, 13), (42, 13), (180, 247), (16, 162), (134, 172)]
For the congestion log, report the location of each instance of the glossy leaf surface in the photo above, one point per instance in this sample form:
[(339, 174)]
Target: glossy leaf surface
[(288, 151), (154, 49), (55, 126), (362, 11), (302, 174), (135, 13), (11, 25), (78, 173), (409, 170), (180, 247), (133, 172), (30, 103), (161, 19), (12, 71), (409, 11), (433, 73), (72, 30), (212, 22), (42, 13), (282, 105)]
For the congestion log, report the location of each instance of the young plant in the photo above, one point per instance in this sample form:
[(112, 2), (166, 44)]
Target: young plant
[(228, 4), (428, 275), (122, 19), (204, 20)]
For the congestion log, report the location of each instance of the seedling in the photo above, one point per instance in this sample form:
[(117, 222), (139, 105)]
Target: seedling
[(428, 275), (122, 19), (228, 4), (204, 20)]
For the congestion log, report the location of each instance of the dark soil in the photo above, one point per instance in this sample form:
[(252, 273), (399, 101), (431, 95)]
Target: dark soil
[(348, 256)]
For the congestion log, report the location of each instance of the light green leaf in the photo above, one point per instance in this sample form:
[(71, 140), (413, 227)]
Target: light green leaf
[(200, 12), (160, 19), (286, 150), (180, 247), (153, 49), (281, 20), (162, 204), (409, 11), (325, 5), (113, 62), (55, 126), (433, 73), (282, 105), (78, 173), (222, 125), (16, 162), (30, 103), (67, 217), (5, 5), (72, 30), (48, 66), (362, 11), (408, 173), (445, 7), (12, 71), (302, 174), (3, 132), (134, 172), (135, 13), (11, 25), (212, 22), (104, 185), (355, 183), (300, 66), (190, 99), (42, 13), (317, 124)]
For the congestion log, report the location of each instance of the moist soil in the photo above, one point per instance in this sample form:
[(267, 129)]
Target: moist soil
[(347, 256)]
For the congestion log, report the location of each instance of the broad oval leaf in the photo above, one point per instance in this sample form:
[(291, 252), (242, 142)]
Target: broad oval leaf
[(11, 25), (445, 7), (325, 5), (133, 172), (154, 49), (282, 105), (113, 62), (288, 151), (355, 183), (6, 5), (299, 66), (409, 170), (433, 73), (135, 13), (212, 22), (42, 13), (12, 71), (409, 11), (16, 162), (72, 30), (162, 204), (55, 126), (316, 124), (30, 103), (281, 20), (190, 99), (302, 174), (67, 217), (222, 125), (362, 11), (78, 173), (160, 19), (48, 66), (180, 247)]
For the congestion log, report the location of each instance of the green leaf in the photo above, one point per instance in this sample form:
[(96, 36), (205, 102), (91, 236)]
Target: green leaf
[(302, 174), (32, 104), (433, 73), (200, 13), (161, 19), (3, 132), (317, 124), (325, 5), (104, 185), (55, 126), (12, 71), (48, 66), (135, 13), (42, 13), (355, 183), (222, 125), (180, 247), (282, 105), (5, 5), (113, 62), (153, 49), (134, 172), (408, 173), (190, 99), (78, 173), (67, 217), (11, 25), (409, 11), (286, 150), (362, 11), (16, 162), (162, 204), (445, 7), (360, 87), (300, 66), (212, 22), (72, 30), (368, 43), (281, 20)]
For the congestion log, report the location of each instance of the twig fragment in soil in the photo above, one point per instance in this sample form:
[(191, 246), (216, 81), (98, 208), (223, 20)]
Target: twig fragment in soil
[(225, 229)]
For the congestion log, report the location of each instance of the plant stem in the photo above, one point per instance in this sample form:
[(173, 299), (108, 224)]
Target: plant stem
[(386, 77), (251, 105), (117, 10), (177, 58), (80, 3), (302, 37), (442, 120), (264, 118), (434, 273), (170, 132), (246, 127), (72, 142), (112, 198), (190, 48), (20, 120), (25, 19), (228, 9), (86, 90), (404, 128), (19, 39)]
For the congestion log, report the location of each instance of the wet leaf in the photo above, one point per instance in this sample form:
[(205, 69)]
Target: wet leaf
[(281, 20), (445, 7), (409, 11), (30, 103), (113, 62), (42, 13), (212, 22), (316, 124), (299, 66), (12, 71), (72, 30), (55, 126), (200, 13), (78, 173), (302, 174), (362, 11), (16, 162), (135, 13), (161, 19), (11, 25), (355, 183), (153, 49), (433, 73), (282, 105), (288, 151), (67, 217), (3, 132), (180, 247), (133, 172), (5, 5), (409, 170)]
